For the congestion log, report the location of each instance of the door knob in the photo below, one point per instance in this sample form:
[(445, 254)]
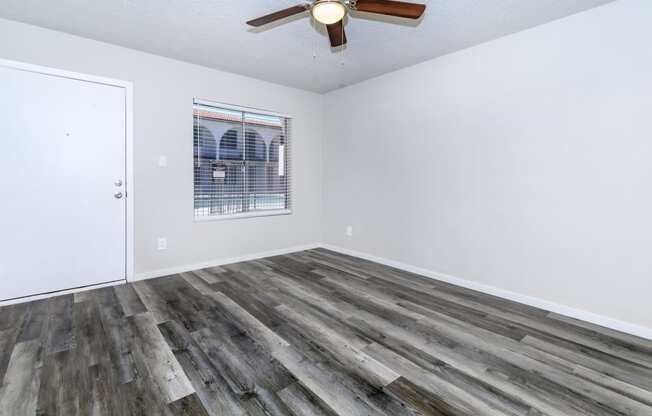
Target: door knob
[(118, 195), (118, 183)]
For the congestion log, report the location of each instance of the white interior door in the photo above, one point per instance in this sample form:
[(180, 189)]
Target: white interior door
[(62, 162)]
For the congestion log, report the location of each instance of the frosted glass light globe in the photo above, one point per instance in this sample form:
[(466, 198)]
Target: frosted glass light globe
[(328, 11)]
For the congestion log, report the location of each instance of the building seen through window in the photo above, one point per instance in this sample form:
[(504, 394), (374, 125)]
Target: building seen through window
[(236, 173)]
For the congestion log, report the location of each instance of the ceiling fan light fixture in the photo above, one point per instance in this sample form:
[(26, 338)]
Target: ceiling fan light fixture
[(328, 11)]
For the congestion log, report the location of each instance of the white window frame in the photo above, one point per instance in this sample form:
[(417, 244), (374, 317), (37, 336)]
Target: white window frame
[(252, 214)]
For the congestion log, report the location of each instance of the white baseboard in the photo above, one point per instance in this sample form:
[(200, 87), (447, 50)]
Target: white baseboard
[(221, 261), (60, 293), (605, 321)]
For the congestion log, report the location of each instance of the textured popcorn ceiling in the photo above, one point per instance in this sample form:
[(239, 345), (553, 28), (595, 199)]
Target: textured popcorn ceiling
[(213, 33)]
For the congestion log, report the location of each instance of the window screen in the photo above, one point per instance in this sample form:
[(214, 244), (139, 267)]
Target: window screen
[(241, 162)]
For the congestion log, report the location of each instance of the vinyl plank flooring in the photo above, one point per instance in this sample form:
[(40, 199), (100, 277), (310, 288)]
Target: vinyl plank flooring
[(7, 343), (252, 361), (156, 361), (116, 335), (153, 301), (180, 304), (422, 400), (129, 299), (337, 396), (20, 386), (34, 322), (313, 333), (208, 276), (364, 365), (458, 401), (60, 327), (139, 398), (521, 356), (83, 295), (188, 406), (103, 392), (627, 372), (208, 381), (62, 385), (12, 315), (373, 399), (88, 334), (302, 402), (625, 338), (198, 283), (507, 380), (596, 392), (11, 324), (255, 395)]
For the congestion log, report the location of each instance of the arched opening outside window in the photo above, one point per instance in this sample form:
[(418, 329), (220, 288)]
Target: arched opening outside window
[(205, 145), (255, 147), (230, 148), (274, 148)]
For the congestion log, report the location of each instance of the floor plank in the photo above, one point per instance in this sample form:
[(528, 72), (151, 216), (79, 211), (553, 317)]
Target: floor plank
[(156, 361), (20, 386)]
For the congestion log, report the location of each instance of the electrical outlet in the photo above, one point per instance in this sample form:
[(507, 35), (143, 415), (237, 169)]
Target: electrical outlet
[(162, 244), (162, 161), (349, 230)]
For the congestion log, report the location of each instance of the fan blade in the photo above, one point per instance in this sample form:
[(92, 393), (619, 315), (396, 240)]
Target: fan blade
[(391, 8), (281, 14), (336, 34)]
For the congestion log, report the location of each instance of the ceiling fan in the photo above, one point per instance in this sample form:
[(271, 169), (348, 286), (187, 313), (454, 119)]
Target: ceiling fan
[(331, 13)]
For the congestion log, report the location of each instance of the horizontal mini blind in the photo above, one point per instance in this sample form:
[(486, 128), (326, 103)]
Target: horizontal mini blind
[(241, 162)]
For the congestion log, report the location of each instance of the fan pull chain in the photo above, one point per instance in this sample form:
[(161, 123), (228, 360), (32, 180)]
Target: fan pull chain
[(343, 47), (314, 52)]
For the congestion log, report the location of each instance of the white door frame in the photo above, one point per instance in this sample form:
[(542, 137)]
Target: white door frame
[(129, 160)]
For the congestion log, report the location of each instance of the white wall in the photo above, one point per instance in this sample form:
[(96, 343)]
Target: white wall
[(524, 163), (163, 93)]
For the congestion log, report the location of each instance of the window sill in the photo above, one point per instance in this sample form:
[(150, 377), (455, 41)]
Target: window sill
[(254, 214)]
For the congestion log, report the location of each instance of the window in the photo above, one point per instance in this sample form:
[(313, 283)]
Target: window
[(241, 162)]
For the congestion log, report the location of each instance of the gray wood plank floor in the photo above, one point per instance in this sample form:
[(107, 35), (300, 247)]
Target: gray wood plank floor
[(311, 333)]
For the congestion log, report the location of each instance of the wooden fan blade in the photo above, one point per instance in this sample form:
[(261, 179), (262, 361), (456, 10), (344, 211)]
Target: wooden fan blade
[(336, 34), (281, 14), (391, 8)]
